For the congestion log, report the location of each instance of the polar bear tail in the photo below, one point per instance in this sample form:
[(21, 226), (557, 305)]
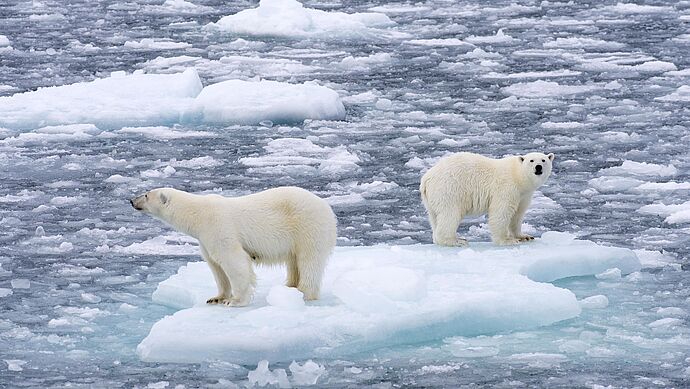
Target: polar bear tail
[(425, 201)]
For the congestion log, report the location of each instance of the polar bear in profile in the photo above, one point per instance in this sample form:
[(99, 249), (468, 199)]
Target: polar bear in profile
[(467, 184), (281, 225)]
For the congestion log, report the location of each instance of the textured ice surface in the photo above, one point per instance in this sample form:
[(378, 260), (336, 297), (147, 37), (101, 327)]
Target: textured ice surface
[(379, 296), (163, 99), (291, 19)]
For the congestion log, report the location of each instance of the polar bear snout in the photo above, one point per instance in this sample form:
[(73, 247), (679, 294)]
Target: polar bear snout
[(138, 202), (538, 170)]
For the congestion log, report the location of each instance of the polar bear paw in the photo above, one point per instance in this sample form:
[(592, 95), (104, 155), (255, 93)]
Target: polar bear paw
[(508, 242), (525, 238), (457, 242), (236, 302), (217, 300)]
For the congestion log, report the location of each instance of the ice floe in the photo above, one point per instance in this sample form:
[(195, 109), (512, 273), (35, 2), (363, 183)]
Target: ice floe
[(165, 99), (380, 296), (291, 19)]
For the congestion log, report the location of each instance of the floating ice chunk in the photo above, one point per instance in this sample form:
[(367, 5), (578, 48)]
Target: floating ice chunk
[(246, 102), (540, 88), (117, 101), (165, 133), (359, 63), (641, 169), (445, 42), (462, 348), (679, 217), (631, 8), (594, 302), (538, 360), (663, 186), (434, 293), (499, 38), (90, 298), (158, 246), (583, 43), (4, 41), (682, 94), (4, 292), (282, 296), (20, 283), (15, 364), (667, 322), (63, 133), (151, 44), (614, 184), (289, 18), (307, 374), (178, 7), (263, 376), (525, 75), (609, 274), (399, 9)]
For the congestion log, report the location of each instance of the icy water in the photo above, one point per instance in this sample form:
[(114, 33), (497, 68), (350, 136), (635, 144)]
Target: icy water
[(597, 83)]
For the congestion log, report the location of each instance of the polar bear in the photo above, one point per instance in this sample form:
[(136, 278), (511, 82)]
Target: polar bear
[(467, 184), (282, 225)]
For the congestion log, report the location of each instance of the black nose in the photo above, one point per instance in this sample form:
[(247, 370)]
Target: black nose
[(538, 170)]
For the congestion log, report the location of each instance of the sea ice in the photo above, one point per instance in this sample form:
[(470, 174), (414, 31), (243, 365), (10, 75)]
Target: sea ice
[(75, 112), (379, 296), (246, 102), (540, 89), (290, 19)]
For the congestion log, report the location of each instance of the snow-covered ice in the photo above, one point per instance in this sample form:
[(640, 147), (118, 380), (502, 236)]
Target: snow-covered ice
[(165, 99), (379, 296), (291, 19)]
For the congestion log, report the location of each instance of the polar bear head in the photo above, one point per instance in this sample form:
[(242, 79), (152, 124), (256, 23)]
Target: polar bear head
[(536, 167), (155, 202)]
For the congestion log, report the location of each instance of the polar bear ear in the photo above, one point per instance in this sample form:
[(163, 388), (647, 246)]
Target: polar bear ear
[(550, 156), (164, 198), (522, 159)]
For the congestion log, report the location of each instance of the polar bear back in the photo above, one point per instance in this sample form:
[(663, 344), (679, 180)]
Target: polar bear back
[(469, 182), (278, 222)]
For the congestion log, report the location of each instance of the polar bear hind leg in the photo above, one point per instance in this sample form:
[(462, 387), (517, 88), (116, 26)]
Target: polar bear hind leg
[(292, 272), (445, 231), (310, 266)]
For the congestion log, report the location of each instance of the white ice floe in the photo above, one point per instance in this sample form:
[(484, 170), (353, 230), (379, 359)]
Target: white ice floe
[(161, 100), (675, 213), (631, 8), (499, 38), (379, 296), (297, 156), (151, 44), (290, 19), (247, 102), (119, 100), (641, 169), (583, 43), (682, 94), (540, 89), (445, 42)]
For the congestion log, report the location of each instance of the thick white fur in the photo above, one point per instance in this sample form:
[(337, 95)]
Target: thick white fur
[(467, 184), (281, 225)]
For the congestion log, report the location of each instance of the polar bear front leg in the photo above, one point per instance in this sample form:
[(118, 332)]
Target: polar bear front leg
[(516, 223), (501, 215), (222, 281), (237, 265)]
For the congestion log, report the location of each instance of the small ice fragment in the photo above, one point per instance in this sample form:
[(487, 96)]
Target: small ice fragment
[(169, 170), (266, 123), (20, 283), (65, 247), (4, 292), (306, 374), (384, 104), (90, 298), (666, 323), (40, 231), (285, 297), (610, 274), (263, 376), (15, 364), (158, 385), (594, 302)]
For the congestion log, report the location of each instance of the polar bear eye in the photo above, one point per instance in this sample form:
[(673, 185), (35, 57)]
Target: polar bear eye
[(531, 160), (543, 160)]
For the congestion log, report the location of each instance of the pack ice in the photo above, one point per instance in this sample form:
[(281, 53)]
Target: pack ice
[(379, 296), (165, 99)]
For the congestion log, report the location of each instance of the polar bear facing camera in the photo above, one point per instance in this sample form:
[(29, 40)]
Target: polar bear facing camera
[(467, 184), (282, 225)]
